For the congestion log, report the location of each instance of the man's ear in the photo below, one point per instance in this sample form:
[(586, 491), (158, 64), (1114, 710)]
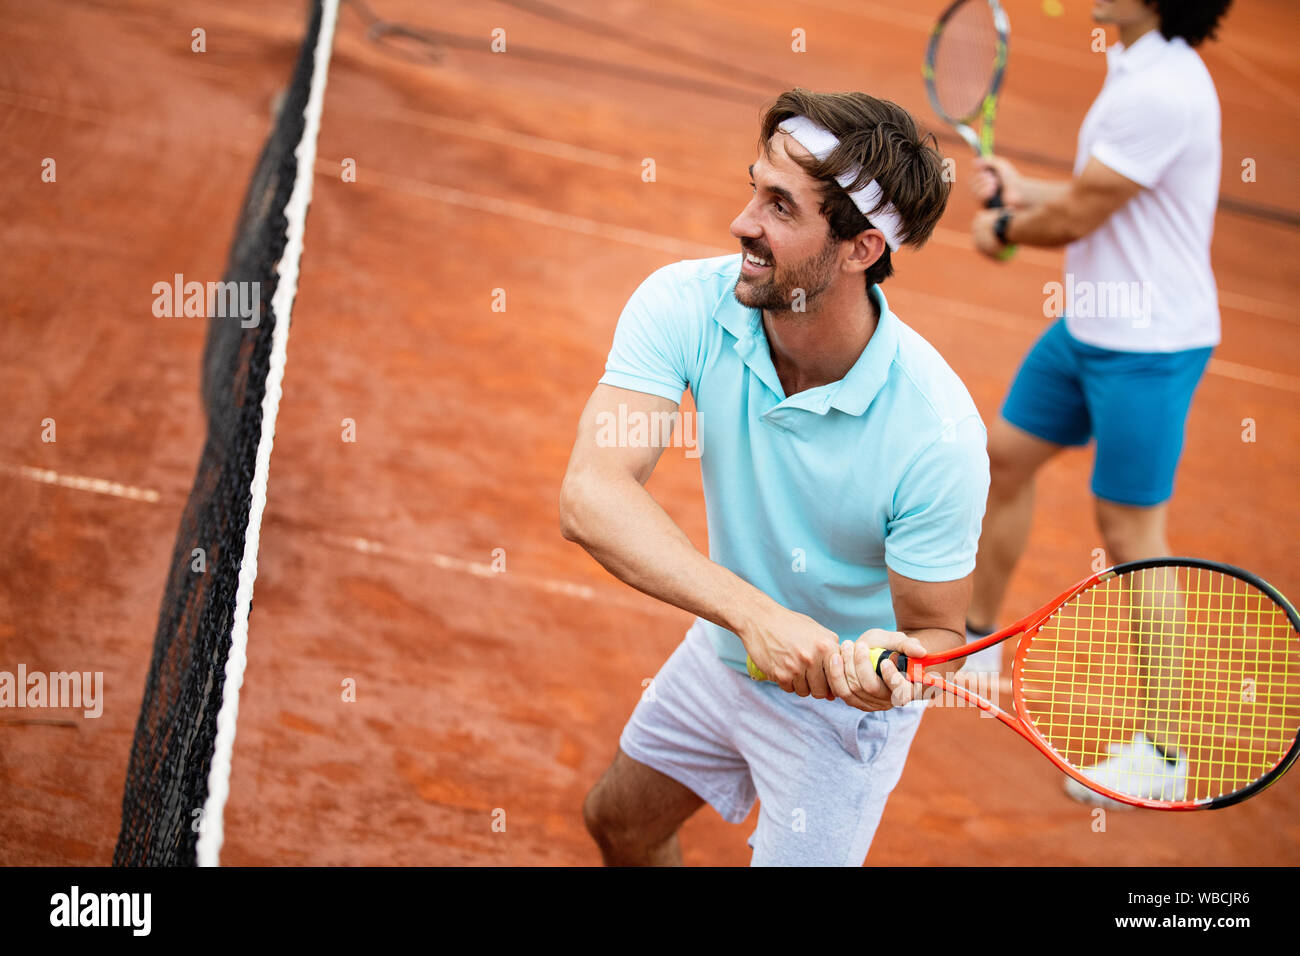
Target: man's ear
[(868, 246)]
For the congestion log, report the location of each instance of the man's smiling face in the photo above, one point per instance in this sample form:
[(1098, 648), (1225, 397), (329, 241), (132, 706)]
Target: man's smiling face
[(786, 240)]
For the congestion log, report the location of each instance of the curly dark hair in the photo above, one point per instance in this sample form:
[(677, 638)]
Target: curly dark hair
[(1193, 20)]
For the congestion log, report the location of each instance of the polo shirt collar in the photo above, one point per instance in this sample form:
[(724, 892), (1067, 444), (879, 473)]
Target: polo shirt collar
[(852, 394), (868, 376), (1149, 46)]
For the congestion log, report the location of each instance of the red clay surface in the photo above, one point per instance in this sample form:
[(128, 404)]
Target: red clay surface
[(480, 692)]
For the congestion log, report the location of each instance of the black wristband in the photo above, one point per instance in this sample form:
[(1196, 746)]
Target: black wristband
[(1000, 226)]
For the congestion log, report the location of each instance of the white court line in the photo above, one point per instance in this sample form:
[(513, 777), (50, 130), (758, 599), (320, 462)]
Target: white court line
[(1285, 96), (1240, 302), (1011, 321), (524, 141), (99, 486), (534, 214), (558, 149), (687, 249), (1237, 301), (446, 562), (1256, 376), (1015, 322), (478, 569), (1055, 53), (951, 238)]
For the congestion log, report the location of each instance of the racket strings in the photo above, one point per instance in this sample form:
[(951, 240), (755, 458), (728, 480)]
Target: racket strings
[(964, 60), (1169, 684)]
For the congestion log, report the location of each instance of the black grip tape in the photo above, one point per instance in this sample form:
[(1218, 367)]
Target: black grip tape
[(899, 659)]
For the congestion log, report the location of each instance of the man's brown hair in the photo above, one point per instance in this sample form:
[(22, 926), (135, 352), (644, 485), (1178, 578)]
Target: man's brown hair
[(881, 138)]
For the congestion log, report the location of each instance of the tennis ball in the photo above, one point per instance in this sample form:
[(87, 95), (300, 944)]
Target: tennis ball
[(754, 672), (1053, 8)]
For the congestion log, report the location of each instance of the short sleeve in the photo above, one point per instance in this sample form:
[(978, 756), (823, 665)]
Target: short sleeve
[(649, 351), (1140, 136), (939, 506)]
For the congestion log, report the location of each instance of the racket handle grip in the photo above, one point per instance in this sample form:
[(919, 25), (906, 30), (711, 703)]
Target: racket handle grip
[(995, 202), (879, 655)]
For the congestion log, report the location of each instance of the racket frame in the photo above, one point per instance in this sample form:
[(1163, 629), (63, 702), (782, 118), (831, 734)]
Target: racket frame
[(982, 142), (1030, 624)]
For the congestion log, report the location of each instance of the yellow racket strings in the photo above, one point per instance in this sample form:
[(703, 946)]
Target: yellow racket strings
[(1173, 683)]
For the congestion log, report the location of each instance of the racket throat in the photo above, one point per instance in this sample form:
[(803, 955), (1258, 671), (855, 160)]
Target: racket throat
[(971, 137)]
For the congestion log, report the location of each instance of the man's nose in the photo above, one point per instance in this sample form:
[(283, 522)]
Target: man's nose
[(744, 226)]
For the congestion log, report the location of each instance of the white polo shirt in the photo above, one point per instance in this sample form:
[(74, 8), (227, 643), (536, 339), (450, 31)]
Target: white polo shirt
[(1142, 281)]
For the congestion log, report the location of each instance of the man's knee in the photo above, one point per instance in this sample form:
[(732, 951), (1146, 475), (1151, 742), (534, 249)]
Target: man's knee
[(1014, 458), (610, 821), (621, 837), (635, 809), (1007, 475), (1131, 533), (1124, 546)]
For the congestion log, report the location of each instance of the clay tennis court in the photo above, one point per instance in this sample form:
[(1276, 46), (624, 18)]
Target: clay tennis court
[(495, 663)]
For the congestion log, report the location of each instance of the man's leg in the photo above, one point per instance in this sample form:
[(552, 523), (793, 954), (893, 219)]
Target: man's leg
[(1149, 762), (823, 772), (634, 812), (1045, 411), (1014, 458), (1139, 402), (675, 753), (1132, 532)]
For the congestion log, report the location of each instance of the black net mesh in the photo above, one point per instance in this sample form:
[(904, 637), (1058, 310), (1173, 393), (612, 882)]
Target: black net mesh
[(167, 778)]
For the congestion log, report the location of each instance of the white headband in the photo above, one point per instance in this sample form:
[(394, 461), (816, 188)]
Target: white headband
[(821, 142)]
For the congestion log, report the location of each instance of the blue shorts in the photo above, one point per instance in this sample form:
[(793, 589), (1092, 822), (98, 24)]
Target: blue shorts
[(821, 769), (1134, 403)]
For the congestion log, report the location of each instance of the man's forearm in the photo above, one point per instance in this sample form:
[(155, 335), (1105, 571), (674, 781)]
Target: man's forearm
[(624, 528), (1052, 223), (1035, 192)]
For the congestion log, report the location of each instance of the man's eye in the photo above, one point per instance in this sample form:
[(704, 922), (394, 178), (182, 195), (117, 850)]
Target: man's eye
[(776, 203)]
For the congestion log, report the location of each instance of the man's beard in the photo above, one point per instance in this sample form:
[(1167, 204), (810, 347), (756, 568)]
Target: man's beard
[(776, 293)]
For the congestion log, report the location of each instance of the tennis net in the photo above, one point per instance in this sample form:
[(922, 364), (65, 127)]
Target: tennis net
[(178, 775)]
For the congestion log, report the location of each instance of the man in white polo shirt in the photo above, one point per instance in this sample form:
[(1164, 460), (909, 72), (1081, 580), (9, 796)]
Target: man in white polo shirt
[(1139, 303), (844, 474)]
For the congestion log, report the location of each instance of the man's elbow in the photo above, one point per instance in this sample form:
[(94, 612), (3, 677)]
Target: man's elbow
[(1072, 222), (1069, 231), (1085, 215), (1079, 226), (571, 509)]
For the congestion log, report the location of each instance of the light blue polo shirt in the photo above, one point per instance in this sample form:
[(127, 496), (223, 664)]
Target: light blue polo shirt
[(809, 498)]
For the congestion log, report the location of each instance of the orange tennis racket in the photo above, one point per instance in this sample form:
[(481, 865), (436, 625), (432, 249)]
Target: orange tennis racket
[(1172, 684)]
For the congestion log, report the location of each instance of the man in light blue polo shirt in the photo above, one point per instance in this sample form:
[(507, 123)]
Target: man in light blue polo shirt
[(844, 474)]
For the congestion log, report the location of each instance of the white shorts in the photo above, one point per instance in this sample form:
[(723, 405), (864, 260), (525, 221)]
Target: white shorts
[(821, 769)]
